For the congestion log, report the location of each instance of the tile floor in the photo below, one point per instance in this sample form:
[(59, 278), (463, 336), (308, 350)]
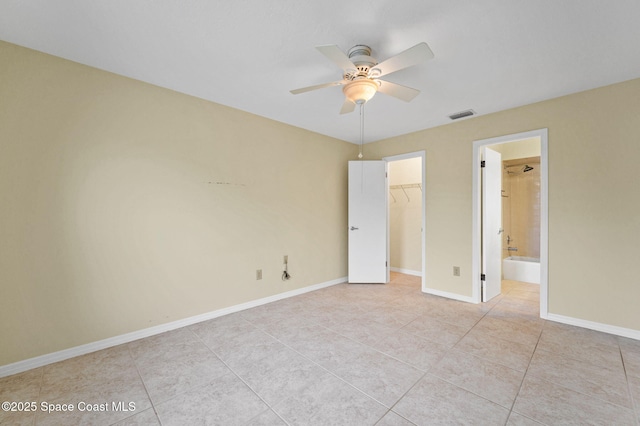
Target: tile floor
[(351, 355)]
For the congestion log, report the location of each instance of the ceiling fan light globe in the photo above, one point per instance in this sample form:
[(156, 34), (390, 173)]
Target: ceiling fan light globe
[(360, 91)]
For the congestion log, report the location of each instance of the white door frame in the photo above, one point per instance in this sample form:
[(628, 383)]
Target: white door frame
[(542, 134), (423, 157)]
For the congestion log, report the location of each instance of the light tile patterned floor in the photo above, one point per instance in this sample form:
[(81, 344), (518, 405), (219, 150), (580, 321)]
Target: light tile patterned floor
[(352, 355)]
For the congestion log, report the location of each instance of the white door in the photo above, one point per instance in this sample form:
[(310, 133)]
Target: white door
[(491, 224), (368, 221)]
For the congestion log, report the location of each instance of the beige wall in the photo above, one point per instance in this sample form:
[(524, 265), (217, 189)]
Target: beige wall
[(125, 206), (405, 215), (518, 149), (594, 202)]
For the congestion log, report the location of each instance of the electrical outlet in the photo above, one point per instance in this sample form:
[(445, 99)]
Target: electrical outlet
[(258, 274), (456, 271)]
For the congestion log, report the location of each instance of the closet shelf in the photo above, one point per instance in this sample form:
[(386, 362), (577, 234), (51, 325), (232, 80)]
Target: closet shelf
[(404, 187)]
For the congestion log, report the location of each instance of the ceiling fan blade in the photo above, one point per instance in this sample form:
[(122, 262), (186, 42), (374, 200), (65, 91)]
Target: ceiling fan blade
[(318, 86), (347, 107), (410, 57), (337, 56), (397, 90)]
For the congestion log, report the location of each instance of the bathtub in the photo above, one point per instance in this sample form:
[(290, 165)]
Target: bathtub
[(519, 268)]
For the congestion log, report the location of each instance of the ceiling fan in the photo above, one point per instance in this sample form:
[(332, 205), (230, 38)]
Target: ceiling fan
[(361, 73)]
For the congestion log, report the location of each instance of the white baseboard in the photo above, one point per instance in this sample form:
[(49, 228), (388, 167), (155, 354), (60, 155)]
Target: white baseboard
[(448, 295), (405, 271), (39, 361), (606, 328)]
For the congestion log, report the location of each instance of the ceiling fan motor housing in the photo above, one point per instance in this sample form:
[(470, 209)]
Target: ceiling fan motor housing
[(360, 56)]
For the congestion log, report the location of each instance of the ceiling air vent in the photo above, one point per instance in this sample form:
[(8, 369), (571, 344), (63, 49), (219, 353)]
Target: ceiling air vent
[(462, 114)]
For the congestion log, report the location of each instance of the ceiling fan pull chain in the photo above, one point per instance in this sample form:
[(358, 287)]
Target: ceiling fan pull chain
[(361, 129)]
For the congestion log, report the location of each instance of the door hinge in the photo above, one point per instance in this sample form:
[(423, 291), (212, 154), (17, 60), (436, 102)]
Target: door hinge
[(482, 163), (483, 277), (385, 264)]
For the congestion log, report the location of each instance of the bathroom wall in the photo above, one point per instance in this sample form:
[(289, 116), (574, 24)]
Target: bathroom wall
[(405, 216), (521, 208)]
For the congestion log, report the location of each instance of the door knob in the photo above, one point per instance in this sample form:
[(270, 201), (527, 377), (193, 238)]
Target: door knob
[(353, 228)]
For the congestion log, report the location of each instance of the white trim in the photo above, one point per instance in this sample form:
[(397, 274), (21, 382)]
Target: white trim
[(406, 271), (448, 295), (423, 155), (544, 223), (39, 361), (605, 328), (544, 213), (406, 156)]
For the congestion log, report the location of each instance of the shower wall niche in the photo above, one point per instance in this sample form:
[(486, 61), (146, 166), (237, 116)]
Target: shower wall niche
[(521, 207)]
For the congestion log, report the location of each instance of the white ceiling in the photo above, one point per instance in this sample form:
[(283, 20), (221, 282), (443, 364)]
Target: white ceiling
[(490, 55)]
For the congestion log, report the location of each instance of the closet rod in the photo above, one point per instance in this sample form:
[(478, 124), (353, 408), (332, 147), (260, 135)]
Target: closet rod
[(404, 187)]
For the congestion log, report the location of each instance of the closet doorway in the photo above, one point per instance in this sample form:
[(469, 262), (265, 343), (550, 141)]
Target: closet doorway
[(406, 214)]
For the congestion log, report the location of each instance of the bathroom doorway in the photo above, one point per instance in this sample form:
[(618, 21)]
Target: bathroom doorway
[(524, 164)]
